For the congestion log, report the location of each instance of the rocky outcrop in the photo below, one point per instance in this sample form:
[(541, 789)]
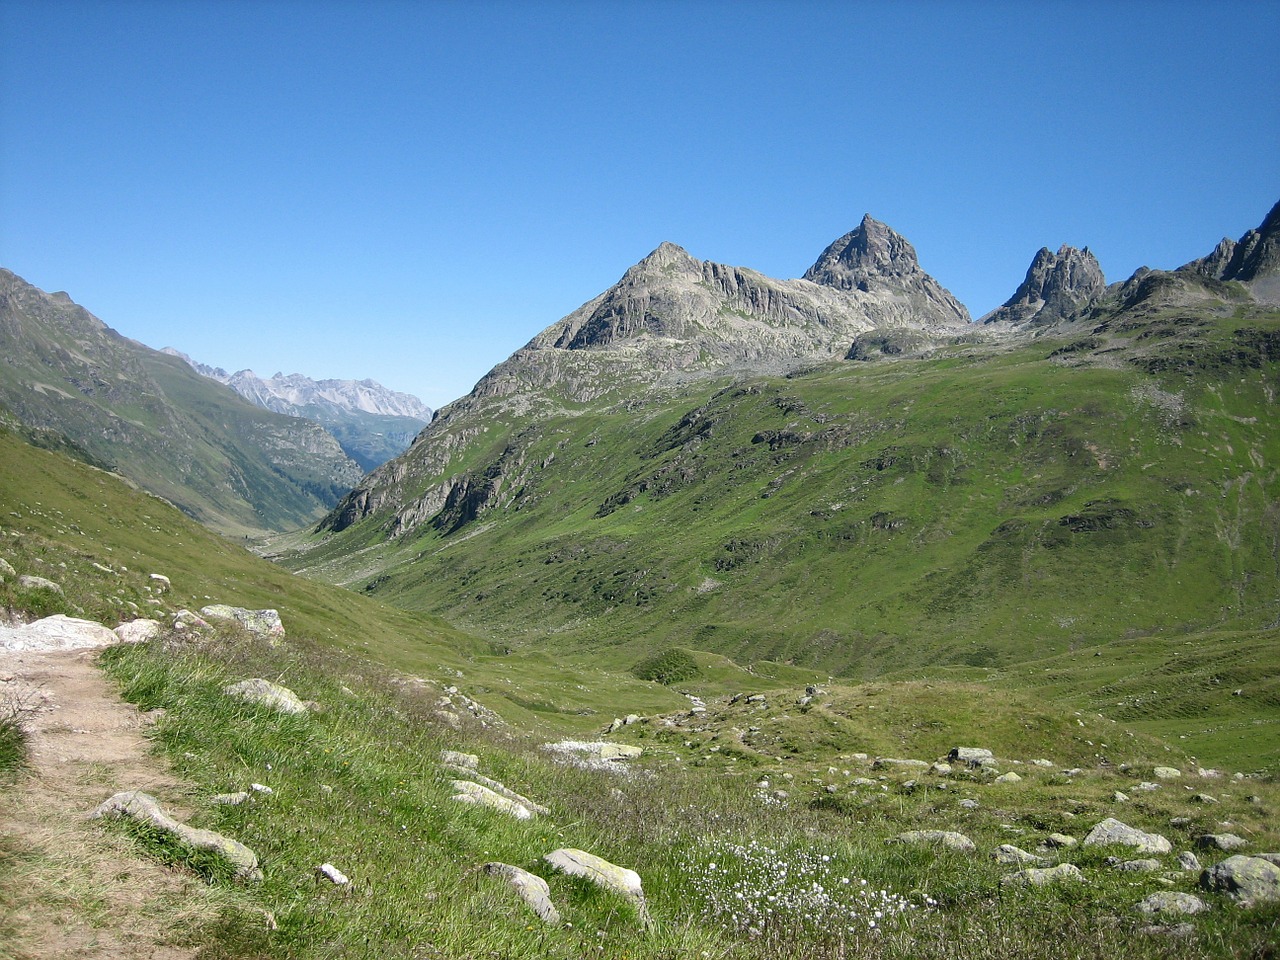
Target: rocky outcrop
[(141, 807), (594, 755), (1253, 260), (265, 623), (1057, 286)]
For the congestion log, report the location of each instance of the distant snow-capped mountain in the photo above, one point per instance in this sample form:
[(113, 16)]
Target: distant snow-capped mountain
[(372, 423)]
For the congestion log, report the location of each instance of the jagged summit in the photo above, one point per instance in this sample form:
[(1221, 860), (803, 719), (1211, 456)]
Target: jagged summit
[(1253, 260), (868, 278), (873, 249), (1057, 286), (875, 258)]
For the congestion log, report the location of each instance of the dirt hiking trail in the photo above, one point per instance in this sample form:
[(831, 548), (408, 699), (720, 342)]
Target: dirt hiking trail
[(68, 887)]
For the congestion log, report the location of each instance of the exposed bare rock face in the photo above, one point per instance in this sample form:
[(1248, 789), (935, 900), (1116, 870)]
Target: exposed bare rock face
[(1253, 260), (670, 319), (875, 260), (1057, 286)]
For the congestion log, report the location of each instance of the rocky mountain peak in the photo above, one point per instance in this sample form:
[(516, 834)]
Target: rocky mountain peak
[(1057, 285), (1253, 260), (873, 249)]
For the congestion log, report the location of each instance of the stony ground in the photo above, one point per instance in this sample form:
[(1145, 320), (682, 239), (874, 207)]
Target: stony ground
[(67, 887)]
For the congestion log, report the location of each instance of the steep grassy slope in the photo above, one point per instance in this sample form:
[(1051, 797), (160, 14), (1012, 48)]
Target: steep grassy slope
[(100, 539), (984, 506), (229, 464)]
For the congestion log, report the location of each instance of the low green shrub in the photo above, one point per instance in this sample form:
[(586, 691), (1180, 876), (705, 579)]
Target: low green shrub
[(670, 666)]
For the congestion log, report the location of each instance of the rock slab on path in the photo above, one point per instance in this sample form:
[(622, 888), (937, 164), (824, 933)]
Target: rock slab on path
[(142, 807), (58, 632)]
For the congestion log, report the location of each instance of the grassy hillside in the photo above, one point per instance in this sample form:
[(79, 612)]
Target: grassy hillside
[(982, 507), (731, 815)]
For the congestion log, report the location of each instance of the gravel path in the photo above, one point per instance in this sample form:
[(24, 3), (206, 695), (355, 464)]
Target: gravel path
[(68, 888)]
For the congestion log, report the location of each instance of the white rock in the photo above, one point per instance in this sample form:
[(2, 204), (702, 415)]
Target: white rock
[(602, 873), (474, 793), (265, 623), (266, 694), (30, 582), (138, 631), (57, 632), (532, 889), (338, 878)]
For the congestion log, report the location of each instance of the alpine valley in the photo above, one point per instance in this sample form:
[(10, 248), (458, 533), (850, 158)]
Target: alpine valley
[(842, 472), (878, 631)]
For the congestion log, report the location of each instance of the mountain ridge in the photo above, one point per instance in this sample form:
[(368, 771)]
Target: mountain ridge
[(371, 423), (150, 417), (932, 501)]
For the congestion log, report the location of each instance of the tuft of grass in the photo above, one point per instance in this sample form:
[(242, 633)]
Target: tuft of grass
[(13, 740)]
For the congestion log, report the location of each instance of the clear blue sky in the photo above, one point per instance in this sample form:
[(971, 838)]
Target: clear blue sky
[(409, 191)]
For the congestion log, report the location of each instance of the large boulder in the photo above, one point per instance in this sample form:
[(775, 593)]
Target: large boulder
[(265, 623), (142, 808), (6, 571), (1112, 832), (266, 694), (606, 875), (1249, 879)]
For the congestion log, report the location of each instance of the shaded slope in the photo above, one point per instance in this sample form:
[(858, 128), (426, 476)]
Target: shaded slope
[(149, 416)]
